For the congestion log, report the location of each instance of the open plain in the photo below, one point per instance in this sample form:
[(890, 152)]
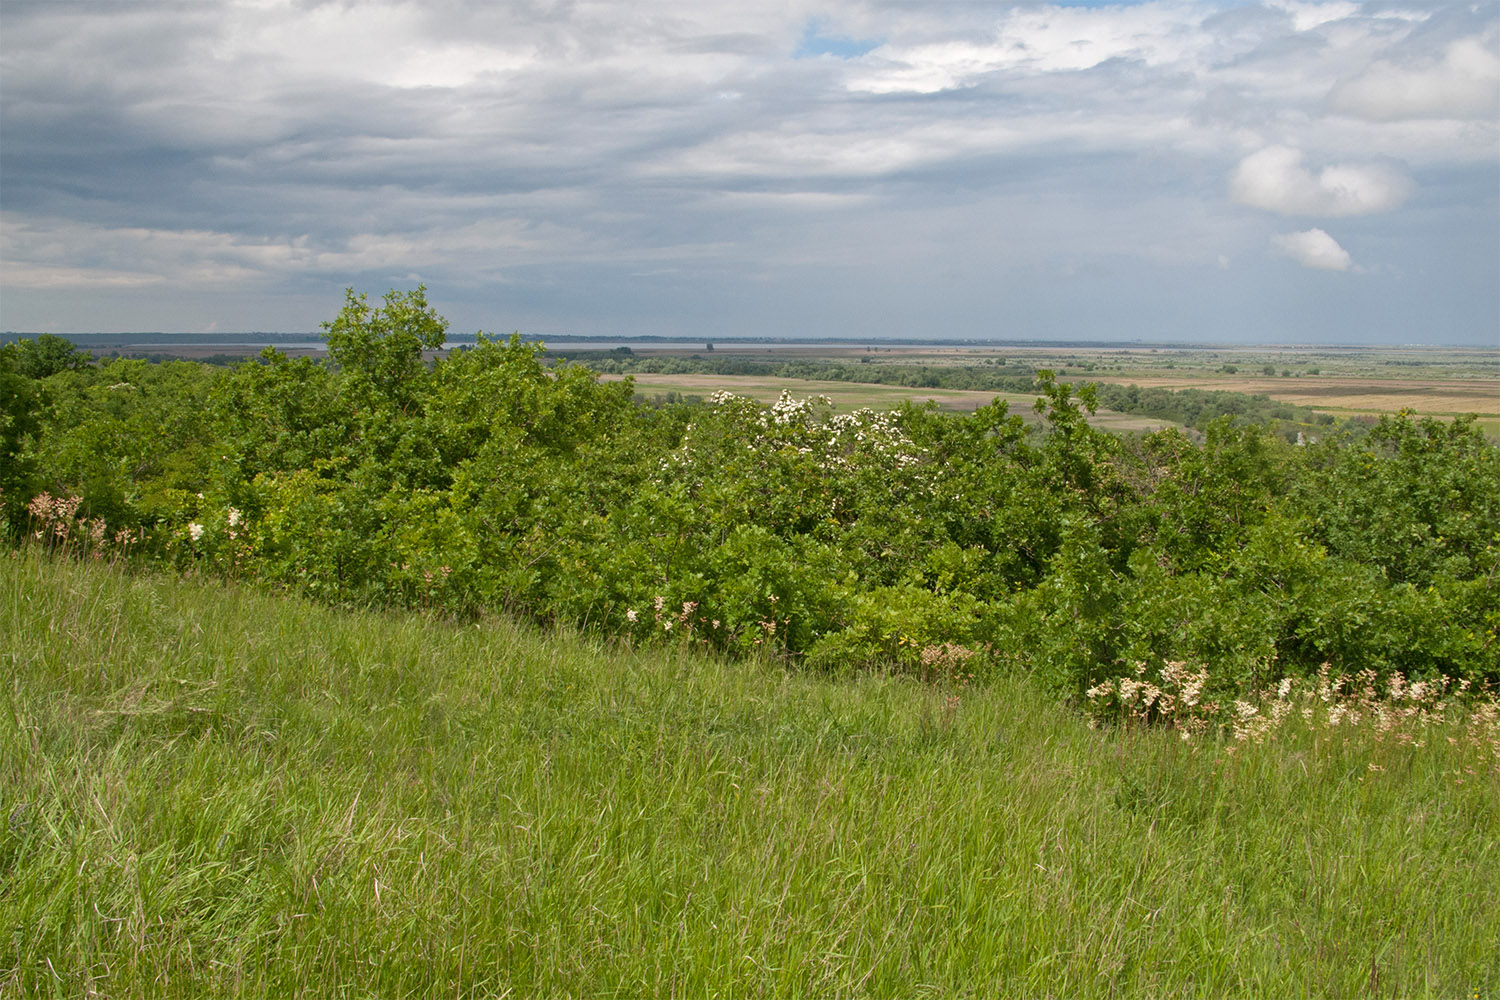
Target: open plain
[(1346, 382)]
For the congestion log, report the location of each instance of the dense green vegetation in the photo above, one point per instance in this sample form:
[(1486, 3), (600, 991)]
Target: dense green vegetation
[(940, 543), (209, 791)]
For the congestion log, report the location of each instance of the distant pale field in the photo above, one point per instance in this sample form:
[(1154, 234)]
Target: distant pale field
[(853, 395), (1341, 395), (1346, 395)]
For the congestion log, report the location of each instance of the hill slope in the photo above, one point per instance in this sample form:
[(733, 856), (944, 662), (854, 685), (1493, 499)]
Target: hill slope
[(205, 790)]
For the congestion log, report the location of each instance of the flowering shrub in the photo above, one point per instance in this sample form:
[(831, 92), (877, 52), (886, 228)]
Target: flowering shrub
[(907, 626), (57, 523), (947, 662), (1395, 709), (793, 467)]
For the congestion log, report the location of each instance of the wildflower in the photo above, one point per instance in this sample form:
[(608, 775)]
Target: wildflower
[(632, 616), (195, 530)]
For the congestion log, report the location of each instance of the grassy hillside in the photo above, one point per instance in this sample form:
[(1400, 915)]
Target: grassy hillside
[(208, 791)]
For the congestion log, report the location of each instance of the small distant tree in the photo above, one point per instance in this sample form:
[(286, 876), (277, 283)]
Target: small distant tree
[(710, 345), (46, 355), (380, 349)]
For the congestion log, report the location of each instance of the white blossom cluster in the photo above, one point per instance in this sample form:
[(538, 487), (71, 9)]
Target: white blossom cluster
[(789, 411), (879, 433), (861, 440)]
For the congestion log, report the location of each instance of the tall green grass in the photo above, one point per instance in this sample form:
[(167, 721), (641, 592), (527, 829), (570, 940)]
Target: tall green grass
[(208, 791)]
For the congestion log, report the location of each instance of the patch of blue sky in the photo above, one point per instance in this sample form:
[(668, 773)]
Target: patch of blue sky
[(818, 41)]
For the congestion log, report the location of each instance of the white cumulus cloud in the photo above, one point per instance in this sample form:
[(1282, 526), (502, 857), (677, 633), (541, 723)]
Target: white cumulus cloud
[(1277, 179), (1463, 84), (1313, 248)]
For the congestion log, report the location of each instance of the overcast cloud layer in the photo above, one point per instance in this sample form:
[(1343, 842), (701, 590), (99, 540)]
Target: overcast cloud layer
[(1281, 171)]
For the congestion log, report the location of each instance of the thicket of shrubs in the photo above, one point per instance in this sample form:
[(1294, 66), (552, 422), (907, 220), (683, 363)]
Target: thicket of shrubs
[(940, 543)]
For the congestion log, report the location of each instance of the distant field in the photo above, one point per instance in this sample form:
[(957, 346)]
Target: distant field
[(853, 395), (1430, 381), (1435, 397), (1347, 396)]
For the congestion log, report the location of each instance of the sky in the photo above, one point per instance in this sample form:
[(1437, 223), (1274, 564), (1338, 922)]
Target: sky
[(1273, 172)]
